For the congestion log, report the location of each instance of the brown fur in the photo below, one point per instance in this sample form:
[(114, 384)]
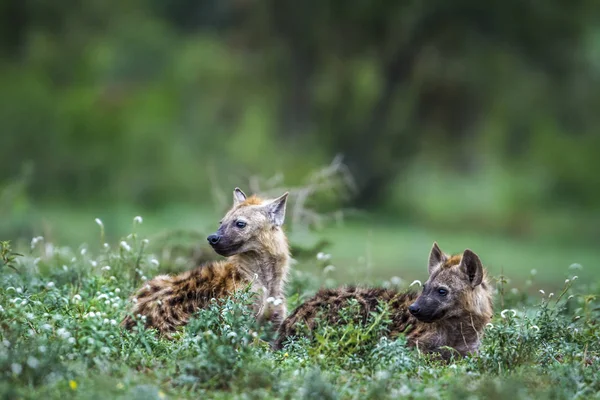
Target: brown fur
[(466, 309), (257, 256)]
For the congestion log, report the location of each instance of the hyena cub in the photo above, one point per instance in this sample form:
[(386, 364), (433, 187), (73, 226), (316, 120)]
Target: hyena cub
[(257, 252), (451, 311)]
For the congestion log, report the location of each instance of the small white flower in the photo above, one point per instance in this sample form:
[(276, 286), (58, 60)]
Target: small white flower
[(90, 340), (63, 333), (489, 325), (125, 246), (453, 366), (115, 305), (534, 271), (416, 282), (105, 350), (107, 302), (570, 297), (270, 299), (105, 321), (231, 334), (77, 298), (106, 268), (46, 327), (29, 316), (113, 322), (567, 280), (144, 278), (576, 317), (32, 362), (83, 251), (16, 368), (328, 269), (575, 278), (24, 302), (382, 374), (320, 256), (145, 241), (277, 302), (395, 280), (71, 340), (99, 222), (102, 296), (65, 268), (134, 300), (138, 220), (113, 278), (50, 285), (35, 241), (542, 291), (537, 329), (514, 290), (37, 260), (576, 266), (94, 263), (117, 290), (503, 313), (42, 349), (154, 262), (550, 295), (91, 314), (106, 246)]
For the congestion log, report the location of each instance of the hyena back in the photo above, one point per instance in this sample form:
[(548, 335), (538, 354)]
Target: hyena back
[(257, 251), (450, 312)]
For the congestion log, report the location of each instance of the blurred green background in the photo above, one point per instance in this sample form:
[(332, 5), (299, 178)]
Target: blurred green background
[(471, 123)]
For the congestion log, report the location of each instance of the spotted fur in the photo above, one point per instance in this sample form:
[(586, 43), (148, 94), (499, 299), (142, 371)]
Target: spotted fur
[(257, 257), (466, 309)]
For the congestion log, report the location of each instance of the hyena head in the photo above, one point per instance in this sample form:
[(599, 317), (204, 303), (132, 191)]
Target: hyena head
[(456, 287), (249, 225)]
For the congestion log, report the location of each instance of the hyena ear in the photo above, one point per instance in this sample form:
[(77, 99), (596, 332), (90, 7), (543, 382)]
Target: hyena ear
[(471, 265), (276, 209), (238, 196), (436, 257)]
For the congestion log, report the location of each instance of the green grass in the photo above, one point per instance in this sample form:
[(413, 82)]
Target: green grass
[(59, 335)]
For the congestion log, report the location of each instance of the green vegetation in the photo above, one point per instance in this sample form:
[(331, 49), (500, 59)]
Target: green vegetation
[(60, 338)]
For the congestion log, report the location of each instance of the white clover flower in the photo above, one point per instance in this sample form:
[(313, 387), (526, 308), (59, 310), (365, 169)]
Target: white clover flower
[(65, 268), (102, 296), (91, 340), (35, 241), (24, 302), (91, 314), (503, 313), (106, 246), (71, 340), (106, 268), (94, 263), (574, 278), (144, 278), (105, 321), (32, 362), (145, 241), (575, 266), (77, 298), (99, 222), (113, 278), (231, 334), (125, 246), (63, 333), (46, 327), (328, 269), (489, 325), (542, 291), (154, 262), (37, 260), (134, 300), (42, 349), (534, 271), (138, 220), (395, 280), (1, 309), (416, 282), (105, 350), (16, 368), (567, 280), (83, 251), (50, 285), (537, 328), (113, 322), (550, 295), (320, 256), (117, 290), (6, 343), (570, 297), (382, 374), (29, 316), (107, 302)]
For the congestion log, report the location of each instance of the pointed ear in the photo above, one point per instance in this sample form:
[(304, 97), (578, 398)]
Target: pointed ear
[(238, 196), (276, 209), (471, 265), (436, 257)]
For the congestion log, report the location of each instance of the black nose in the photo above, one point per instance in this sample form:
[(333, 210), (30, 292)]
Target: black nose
[(414, 309), (213, 239)]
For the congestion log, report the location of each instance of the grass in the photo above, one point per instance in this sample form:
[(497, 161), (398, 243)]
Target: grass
[(59, 333)]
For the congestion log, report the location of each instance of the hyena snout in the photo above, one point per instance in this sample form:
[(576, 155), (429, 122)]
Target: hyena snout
[(414, 309), (213, 239)]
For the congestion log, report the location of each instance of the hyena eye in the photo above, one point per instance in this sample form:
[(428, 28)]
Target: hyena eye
[(442, 292), (240, 224)]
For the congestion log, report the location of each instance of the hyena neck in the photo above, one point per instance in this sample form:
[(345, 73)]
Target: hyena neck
[(268, 267), (462, 332)]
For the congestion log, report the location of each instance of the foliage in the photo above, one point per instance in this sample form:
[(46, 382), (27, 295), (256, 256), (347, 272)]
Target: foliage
[(60, 337)]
